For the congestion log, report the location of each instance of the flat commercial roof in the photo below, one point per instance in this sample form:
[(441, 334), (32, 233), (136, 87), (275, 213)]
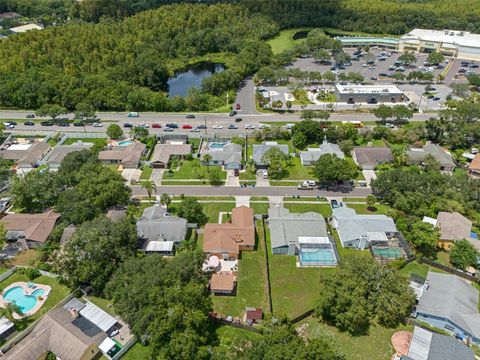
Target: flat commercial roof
[(97, 316), (367, 89), (460, 38)]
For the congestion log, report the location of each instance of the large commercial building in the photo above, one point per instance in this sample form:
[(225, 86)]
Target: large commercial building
[(461, 44), (371, 94)]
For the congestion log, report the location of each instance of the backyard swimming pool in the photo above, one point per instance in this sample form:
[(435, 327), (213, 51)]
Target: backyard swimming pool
[(25, 302), (124, 143), (317, 257), (216, 145)]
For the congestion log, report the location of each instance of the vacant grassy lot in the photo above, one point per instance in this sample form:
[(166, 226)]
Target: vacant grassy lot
[(323, 209), (376, 345), (188, 171), (58, 293), (70, 141), (364, 209), (284, 40), (251, 282)]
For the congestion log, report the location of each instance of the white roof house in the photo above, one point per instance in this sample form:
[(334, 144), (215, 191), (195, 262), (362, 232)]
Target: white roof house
[(23, 28)]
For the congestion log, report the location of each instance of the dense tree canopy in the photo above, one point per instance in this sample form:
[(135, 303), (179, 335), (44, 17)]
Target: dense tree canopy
[(463, 254), (331, 168), (166, 303), (96, 250), (363, 291)]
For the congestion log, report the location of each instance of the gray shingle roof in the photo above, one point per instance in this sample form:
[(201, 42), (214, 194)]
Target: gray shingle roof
[(417, 155), (259, 150), (453, 226), (286, 226), (230, 153), (59, 152), (352, 226), (313, 154), (451, 297), (368, 157), (155, 224)]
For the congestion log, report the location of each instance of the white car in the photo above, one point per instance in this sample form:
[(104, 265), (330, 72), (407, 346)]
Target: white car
[(97, 124), (289, 126), (263, 126), (265, 174), (195, 129), (143, 125), (365, 65), (217, 127), (250, 127)]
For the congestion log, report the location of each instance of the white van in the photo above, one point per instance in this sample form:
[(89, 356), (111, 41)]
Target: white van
[(265, 174)]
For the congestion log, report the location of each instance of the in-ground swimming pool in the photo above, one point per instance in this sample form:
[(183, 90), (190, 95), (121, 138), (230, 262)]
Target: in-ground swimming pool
[(124, 143), (317, 257), (216, 145), (25, 302)]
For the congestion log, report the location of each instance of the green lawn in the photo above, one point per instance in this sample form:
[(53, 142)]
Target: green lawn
[(187, 171), (363, 208), (104, 304), (137, 352), (58, 293), (251, 282), (70, 141), (354, 199), (306, 198), (294, 290), (260, 208), (299, 172), (362, 143), (415, 268), (247, 175), (284, 40), (146, 173), (284, 183), (323, 209), (376, 345)]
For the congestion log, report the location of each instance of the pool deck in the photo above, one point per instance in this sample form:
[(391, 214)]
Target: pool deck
[(27, 291)]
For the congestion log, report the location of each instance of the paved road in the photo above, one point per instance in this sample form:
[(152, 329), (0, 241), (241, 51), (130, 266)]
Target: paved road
[(255, 191), (246, 97)]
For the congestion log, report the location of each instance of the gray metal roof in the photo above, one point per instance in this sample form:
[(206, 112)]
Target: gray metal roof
[(97, 316), (286, 226), (156, 224), (5, 325), (352, 226), (418, 155), (74, 303), (259, 150), (451, 297), (426, 345), (313, 154)]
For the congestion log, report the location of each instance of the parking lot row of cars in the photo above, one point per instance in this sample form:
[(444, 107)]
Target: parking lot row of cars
[(193, 128), (12, 124)]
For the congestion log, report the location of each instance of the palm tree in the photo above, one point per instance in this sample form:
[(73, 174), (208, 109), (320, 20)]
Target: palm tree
[(165, 200), (9, 310), (150, 186), (195, 166), (207, 158)]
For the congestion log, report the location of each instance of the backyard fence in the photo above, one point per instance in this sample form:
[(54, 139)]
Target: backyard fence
[(8, 273), (449, 270), (267, 268), (237, 325), (303, 316)]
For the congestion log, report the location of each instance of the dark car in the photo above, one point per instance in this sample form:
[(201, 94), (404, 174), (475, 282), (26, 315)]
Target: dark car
[(30, 116), (238, 119), (190, 116), (13, 123), (127, 125), (172, 126), (201, 126), (383, 75), (64, 124), (29, 123), (233, 113), (46, 123), (232, 126), (474, 66), (430, 97), (78, 123), (372, 101), (334, 204), (373, 78), (436, 98), (236, 172)]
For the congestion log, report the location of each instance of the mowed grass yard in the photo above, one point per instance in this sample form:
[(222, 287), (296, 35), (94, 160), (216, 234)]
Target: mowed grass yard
[(284, 40), (58, 293), (70, 141), (376, 345), (251, 282), (188, 172)]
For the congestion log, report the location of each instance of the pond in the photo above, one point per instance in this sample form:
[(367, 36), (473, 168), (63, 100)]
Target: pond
[(183, 81)]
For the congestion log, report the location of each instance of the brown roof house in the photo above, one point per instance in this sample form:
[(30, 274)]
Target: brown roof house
[(443, 157), (27, 156), (9, 16), (163, 152), (474, 167), (223, 283), (454, 226), (368, 158), (34, 229), (128, 156), (227, 240)]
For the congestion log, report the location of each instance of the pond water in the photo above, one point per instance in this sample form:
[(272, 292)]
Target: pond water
[(183, 81)]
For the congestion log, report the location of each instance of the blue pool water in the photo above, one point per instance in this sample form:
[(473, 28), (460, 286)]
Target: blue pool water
[(317, 257), (124, 143), (24, 302), (216, 145)]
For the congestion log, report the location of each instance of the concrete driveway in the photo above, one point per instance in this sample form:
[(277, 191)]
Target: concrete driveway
[(261, 182), (157, 176), (369, 175), (232, 180), (131, 174)]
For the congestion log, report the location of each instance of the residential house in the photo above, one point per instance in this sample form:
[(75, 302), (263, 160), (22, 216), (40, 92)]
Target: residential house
[(368, 158), (453, 226), (27, 156), (359, 231), (228, 155), (258, 150), (227, 240), (9, 16), (31, 230), (304, 234), (474, 167), (163, 152), (417, 156), (427, 345), (116, 213), (308, 157), (160, 231), (128, 156), (223, 283), (55, 157), (24, 28), (450, 303)]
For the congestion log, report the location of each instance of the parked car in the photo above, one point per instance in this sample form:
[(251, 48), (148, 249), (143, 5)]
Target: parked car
[(186, 126), (232, 126), (127, 125), (172, 126), (79, 123), (46, 123), (30, 116), (64, 124), (156, 126), (265, 174), (237, 106), (133, 114), (167, 128), (289, 126), (201, 126), (97, 124), (233, 113), (334, 203), (250, 127), (236, 172), (190, 116), (144, 125), (195, 129), (14, 123), (238, 119), (29, 123), (217, 126), (436, 98)]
